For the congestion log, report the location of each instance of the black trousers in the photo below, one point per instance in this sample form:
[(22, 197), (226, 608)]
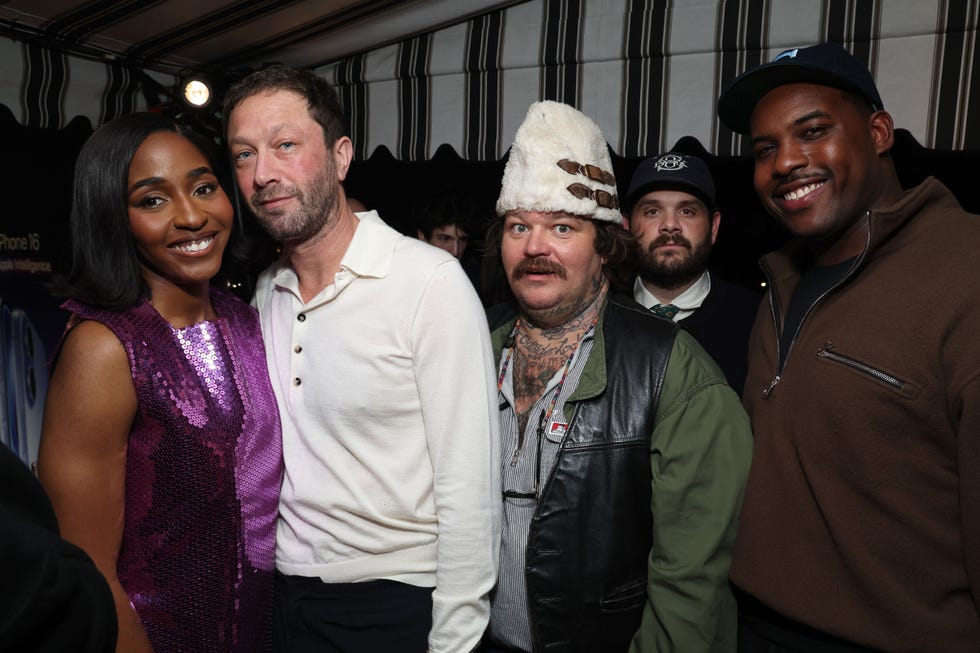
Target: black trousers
[(760, 630), (379, 616)]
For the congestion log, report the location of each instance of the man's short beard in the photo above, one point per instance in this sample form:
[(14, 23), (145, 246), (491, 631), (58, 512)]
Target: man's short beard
[(316, 202), (673, 271)]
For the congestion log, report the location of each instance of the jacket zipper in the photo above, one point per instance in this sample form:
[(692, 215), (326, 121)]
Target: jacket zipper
[(769, 388), (775, 313), (827, 352)]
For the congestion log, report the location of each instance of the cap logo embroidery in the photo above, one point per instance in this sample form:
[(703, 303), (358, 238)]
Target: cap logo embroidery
[(788, 54), (670, 162)]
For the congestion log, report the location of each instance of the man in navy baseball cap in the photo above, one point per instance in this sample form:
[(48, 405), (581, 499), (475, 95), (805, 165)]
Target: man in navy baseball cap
[(671, 171), (859, 528), (826, 64), (670, 207)]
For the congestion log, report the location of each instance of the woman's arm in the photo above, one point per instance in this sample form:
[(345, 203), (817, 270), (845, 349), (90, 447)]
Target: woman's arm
[(90, 409)]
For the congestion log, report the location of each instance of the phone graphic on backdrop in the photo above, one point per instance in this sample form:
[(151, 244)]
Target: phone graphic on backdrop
[(25, 383)]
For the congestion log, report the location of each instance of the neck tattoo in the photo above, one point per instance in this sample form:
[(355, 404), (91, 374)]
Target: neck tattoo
[(538, 354)]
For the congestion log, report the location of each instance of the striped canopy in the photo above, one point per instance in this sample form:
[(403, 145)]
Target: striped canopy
[(648, 71)]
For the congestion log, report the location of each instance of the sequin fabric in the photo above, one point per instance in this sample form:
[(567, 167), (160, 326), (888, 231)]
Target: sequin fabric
[(203, 471)]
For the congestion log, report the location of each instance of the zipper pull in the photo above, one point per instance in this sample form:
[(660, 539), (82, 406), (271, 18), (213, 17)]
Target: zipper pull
[(769, 388)]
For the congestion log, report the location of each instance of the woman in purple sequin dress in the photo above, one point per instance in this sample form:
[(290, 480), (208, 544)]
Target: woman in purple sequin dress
[(161, 447)]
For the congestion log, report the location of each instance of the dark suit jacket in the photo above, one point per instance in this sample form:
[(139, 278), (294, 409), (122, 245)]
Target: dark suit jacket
[(722, 325), (54, 599)]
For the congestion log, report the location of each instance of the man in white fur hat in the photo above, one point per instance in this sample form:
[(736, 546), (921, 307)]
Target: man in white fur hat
[(625, 453)]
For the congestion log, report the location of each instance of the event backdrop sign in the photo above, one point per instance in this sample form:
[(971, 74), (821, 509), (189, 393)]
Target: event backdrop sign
[(33, 245)]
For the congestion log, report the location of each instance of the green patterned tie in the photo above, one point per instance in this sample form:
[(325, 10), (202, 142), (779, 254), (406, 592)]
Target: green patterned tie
[(665, 310)]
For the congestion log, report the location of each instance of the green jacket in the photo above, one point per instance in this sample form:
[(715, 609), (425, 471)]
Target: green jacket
[(700, 451)]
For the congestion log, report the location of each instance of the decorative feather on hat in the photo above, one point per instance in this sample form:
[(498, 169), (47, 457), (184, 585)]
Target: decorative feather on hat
[(559, 162)]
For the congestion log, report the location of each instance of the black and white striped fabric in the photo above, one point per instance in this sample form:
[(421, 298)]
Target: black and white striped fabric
[(649, 72), (45, 88)]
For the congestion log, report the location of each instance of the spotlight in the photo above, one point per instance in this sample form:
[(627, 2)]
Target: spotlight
[(197, 93)]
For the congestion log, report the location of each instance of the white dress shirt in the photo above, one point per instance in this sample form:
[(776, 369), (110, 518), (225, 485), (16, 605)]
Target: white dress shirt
[(687, 302)]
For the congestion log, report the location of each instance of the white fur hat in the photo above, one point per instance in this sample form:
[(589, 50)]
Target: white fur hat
[(559, 162)]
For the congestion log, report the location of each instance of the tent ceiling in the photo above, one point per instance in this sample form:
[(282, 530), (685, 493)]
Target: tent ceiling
[(208, 35)]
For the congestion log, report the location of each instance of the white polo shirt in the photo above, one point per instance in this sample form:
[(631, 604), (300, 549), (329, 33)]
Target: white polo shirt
[(387, 391)]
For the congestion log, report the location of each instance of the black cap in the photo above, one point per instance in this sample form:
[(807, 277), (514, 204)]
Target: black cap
[(827, 64), (671, 171)]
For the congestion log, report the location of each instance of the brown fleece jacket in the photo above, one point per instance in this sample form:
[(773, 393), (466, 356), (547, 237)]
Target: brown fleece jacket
[(862, 512)]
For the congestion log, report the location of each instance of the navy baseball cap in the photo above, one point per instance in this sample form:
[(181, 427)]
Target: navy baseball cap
[(671, 171), (827, 64)]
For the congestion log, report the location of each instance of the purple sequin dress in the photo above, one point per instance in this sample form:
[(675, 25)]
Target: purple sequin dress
[(203, 471)]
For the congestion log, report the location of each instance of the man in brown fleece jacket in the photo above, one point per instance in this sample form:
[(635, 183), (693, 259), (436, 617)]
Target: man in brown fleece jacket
[(861, 523)]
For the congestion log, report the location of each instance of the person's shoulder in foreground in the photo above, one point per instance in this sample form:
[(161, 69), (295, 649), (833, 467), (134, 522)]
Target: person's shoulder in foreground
[(54, 597)]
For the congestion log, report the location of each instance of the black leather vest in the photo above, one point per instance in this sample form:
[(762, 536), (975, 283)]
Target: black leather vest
[(591, 534)]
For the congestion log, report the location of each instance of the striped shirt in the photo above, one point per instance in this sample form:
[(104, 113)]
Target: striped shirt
[(509, 621)]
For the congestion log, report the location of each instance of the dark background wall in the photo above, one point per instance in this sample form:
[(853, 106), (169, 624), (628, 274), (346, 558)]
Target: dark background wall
[(391, 186)]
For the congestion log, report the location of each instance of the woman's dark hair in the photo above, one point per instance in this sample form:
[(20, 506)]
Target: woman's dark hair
[(325, 107), (617, 245), (104, 270)]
